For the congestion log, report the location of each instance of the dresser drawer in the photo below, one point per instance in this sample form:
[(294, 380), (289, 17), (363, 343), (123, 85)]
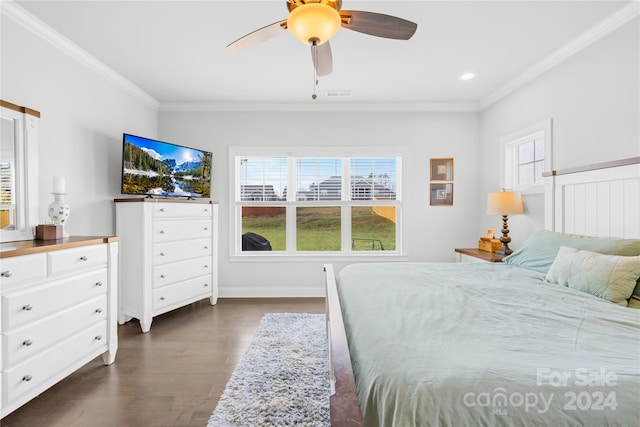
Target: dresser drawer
[(174, 294), (77, 259), (29, 305), (20, 268), (168, 274), (172, 210), (164, 253), (29, 375), (22, 343), (167, 231)]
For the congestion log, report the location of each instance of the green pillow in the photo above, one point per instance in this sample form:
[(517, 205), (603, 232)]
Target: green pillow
[(539, 251), (609, 277)]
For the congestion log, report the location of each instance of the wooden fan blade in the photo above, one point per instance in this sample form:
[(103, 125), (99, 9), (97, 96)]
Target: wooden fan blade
[(322, 59), (258, 36), (378, 24)]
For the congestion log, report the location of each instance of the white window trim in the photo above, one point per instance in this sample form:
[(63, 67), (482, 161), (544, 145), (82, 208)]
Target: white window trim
[(235, 230), (508, 144)]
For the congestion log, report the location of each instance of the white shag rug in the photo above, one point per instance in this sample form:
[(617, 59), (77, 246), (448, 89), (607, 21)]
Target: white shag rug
[(282, 379)]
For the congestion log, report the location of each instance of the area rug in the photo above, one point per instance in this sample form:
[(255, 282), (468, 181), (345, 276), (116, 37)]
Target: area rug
[(282, 379)]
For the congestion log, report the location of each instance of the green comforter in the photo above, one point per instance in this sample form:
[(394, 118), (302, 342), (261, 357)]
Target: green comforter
[(486, 345)]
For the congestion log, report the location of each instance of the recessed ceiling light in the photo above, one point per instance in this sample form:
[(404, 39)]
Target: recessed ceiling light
[(467, 76)]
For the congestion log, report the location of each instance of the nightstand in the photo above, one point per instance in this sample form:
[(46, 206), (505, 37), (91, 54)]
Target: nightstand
[(476, 255)]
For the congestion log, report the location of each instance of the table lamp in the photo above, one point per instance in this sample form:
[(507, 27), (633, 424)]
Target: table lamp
[(504, 203)]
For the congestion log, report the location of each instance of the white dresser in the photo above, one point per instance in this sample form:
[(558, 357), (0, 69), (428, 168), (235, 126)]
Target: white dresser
[(58, 309), (168, 255)]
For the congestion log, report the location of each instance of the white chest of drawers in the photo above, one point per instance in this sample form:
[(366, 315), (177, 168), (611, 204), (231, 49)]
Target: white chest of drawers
[(168, 256), (58, 305)]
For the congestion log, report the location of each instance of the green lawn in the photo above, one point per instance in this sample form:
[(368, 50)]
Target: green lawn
[(318, 229)]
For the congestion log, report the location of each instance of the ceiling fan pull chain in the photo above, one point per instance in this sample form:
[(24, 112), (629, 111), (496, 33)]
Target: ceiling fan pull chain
[(315, 71)]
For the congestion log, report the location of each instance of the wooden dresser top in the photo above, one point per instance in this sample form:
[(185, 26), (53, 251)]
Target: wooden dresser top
[(27, 247)]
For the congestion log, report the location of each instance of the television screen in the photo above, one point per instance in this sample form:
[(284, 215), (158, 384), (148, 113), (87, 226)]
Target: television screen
[(157, 168)]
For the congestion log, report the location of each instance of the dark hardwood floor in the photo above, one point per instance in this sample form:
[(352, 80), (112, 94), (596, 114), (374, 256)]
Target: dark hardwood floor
[(171, 376)]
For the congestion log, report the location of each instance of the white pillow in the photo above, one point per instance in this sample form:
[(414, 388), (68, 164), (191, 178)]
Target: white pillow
[(609, 277)]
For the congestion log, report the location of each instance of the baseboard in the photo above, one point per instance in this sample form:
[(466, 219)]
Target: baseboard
[(271, 292)]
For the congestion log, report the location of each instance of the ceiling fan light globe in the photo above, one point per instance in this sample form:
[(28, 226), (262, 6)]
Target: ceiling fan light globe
[(314, 22)]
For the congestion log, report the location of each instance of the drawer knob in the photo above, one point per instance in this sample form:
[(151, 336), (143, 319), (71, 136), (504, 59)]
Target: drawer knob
[(206, 209), (161, 231), (206, 228), (98, 337), (206, 266), (27, 307), (161, 253), (27, 343), (161, 209), (84, 258), (27, 378), (206, 285), (98, 283), (162, 276), (6, 273), (162, 298), (206, 247), (98, 310)]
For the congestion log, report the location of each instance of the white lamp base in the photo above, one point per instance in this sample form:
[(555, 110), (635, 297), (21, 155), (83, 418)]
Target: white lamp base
[(59, 211)]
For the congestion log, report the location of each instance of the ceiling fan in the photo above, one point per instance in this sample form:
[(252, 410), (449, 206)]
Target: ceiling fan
[(314, 22)]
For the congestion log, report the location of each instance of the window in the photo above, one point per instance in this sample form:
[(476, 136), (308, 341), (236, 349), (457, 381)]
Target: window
[(526, 155), (306, 204)]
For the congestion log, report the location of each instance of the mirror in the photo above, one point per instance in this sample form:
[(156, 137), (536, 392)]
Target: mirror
[(18, 172), (7, 169)]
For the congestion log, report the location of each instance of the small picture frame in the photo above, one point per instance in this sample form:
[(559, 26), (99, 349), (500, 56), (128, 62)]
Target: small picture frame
[(442, 169), (490, 233), (441, 194)]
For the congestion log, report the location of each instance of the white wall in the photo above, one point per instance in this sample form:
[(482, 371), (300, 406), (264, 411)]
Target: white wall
[(82, 120), (433, 232), (594, 100)]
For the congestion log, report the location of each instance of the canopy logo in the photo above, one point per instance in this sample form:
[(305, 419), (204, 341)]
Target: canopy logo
[(583, 390), (500, 400)]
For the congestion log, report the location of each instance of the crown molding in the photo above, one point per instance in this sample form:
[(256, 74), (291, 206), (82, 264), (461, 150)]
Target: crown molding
[(317, 107), (45, 32), (605, 27)]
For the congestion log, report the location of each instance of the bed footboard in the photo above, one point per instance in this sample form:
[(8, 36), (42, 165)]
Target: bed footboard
[(345, 407)]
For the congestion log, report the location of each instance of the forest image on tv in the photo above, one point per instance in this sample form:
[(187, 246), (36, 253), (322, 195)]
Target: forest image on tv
[(157, 168)]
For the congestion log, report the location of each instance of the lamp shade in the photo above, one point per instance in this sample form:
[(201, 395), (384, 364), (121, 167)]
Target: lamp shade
[(504, 203), (314, 22)]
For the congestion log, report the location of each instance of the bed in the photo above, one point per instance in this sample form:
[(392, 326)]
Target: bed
[(550, 337)]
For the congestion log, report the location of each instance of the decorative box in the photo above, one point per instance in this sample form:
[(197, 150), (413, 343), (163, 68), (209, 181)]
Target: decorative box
[(48, 232), (489, 245)]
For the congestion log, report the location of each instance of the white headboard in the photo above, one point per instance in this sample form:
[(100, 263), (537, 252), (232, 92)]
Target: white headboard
[(595, 200)]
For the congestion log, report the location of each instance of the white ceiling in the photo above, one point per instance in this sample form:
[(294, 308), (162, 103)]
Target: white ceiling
[(175, 50)]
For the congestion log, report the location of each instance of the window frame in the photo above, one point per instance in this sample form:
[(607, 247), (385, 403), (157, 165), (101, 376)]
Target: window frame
[(509, 145), (345, 204)]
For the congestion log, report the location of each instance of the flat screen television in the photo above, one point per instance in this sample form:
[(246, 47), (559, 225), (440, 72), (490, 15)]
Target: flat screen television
[(156, 168)]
